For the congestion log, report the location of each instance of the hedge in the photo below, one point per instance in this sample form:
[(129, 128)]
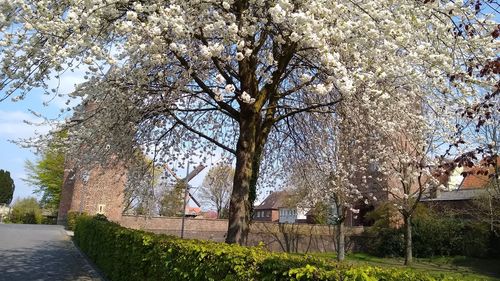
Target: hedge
[(124, 254), (432, 235)]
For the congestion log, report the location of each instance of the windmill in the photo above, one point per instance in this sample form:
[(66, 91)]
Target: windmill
[(187, 193)]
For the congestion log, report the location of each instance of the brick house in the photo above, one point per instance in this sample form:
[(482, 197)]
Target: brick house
[(97, 190), (277, 207)]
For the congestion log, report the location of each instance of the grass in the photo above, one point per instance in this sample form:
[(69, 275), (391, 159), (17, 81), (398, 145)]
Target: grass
[(462, 268)]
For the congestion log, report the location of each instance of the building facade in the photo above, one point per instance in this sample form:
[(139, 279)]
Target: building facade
[(98, 191)]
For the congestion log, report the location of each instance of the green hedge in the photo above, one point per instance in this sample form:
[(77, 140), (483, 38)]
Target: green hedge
[(432, 235), (124, 254), (71, 219)]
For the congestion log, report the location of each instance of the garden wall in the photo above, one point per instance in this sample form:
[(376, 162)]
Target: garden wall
[(276, 237)]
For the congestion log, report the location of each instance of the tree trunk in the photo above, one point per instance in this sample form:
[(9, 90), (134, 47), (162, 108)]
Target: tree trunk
[(341, 241), (240, 205), (408, 244)]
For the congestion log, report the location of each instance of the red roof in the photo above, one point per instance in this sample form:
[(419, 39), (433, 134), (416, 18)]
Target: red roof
[(193, 210), (478, 176)]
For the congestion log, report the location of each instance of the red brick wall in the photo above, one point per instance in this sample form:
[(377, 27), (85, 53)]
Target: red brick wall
[(308, 238), (66, 196), (208, 229)]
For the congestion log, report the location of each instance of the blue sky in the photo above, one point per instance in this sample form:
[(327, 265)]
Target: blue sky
[(13, 127)]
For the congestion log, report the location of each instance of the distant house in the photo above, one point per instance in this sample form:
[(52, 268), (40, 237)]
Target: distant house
[(268, 210), (281, 207), (209, 215), (351, 219), (193, 211), (278, 207), (462, 186), (292, 215)]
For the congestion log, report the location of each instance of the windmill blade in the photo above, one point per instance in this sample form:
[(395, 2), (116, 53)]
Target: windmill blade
[(172, 172), (194, 200), (194, 173)]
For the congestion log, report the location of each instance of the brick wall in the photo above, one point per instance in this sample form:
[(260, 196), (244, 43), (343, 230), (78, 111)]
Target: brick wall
[(275, 237), (207, 229)]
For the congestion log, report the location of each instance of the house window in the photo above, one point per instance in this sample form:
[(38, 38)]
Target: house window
[(268, 214), (100, 209)]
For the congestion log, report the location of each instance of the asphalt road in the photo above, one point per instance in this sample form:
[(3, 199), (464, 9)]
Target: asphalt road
[(41, 252)]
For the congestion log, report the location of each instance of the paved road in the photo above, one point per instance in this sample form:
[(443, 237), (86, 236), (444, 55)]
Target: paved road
[(41, 252)]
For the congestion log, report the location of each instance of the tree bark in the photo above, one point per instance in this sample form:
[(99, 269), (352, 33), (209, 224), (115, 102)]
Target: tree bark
[(408, 242), (341, 241), (240, 206)]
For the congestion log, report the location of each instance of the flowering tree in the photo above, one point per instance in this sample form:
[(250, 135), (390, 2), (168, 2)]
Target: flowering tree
[(406, 165), (332, 168), (184, 77), (140, 193)]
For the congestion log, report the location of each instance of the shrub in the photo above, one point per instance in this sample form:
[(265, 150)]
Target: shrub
[(71, 219), (124, 254), (385, 240), (26, 211), (494, 244), (432, 235)]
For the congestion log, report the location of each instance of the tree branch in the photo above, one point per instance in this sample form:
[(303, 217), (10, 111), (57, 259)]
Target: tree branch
[(200, 134), (305, 109)]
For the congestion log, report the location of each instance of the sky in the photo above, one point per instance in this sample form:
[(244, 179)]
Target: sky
[(13, 127)]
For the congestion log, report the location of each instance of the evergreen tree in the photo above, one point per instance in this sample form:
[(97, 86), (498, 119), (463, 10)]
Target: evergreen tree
[(6, 187)]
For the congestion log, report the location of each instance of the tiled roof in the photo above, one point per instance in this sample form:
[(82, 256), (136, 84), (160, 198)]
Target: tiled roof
[(477, 176), (193, 210), (274, 201)]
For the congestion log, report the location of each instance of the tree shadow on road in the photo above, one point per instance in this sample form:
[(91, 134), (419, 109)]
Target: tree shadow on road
[(52, 261)]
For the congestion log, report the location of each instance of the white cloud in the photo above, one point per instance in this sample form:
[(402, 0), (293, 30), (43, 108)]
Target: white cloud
[(13, 125)]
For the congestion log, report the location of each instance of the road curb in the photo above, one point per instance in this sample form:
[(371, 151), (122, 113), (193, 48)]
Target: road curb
[(93, 269)]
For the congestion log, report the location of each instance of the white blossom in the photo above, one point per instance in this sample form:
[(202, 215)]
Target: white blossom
[(245, 97), (230, 88)]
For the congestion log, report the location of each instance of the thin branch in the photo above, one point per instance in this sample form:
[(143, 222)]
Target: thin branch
[(200, 134)]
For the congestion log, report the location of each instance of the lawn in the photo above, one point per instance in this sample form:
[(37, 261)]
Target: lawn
[(462, 268)]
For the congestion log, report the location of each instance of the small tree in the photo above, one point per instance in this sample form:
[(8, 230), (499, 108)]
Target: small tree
[(328, 168), (172, 200), (26, 211), (6, 187), (217, 187), (47, 175), (405, 162)]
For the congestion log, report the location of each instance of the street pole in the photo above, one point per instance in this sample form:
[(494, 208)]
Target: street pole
[(186, 192)]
